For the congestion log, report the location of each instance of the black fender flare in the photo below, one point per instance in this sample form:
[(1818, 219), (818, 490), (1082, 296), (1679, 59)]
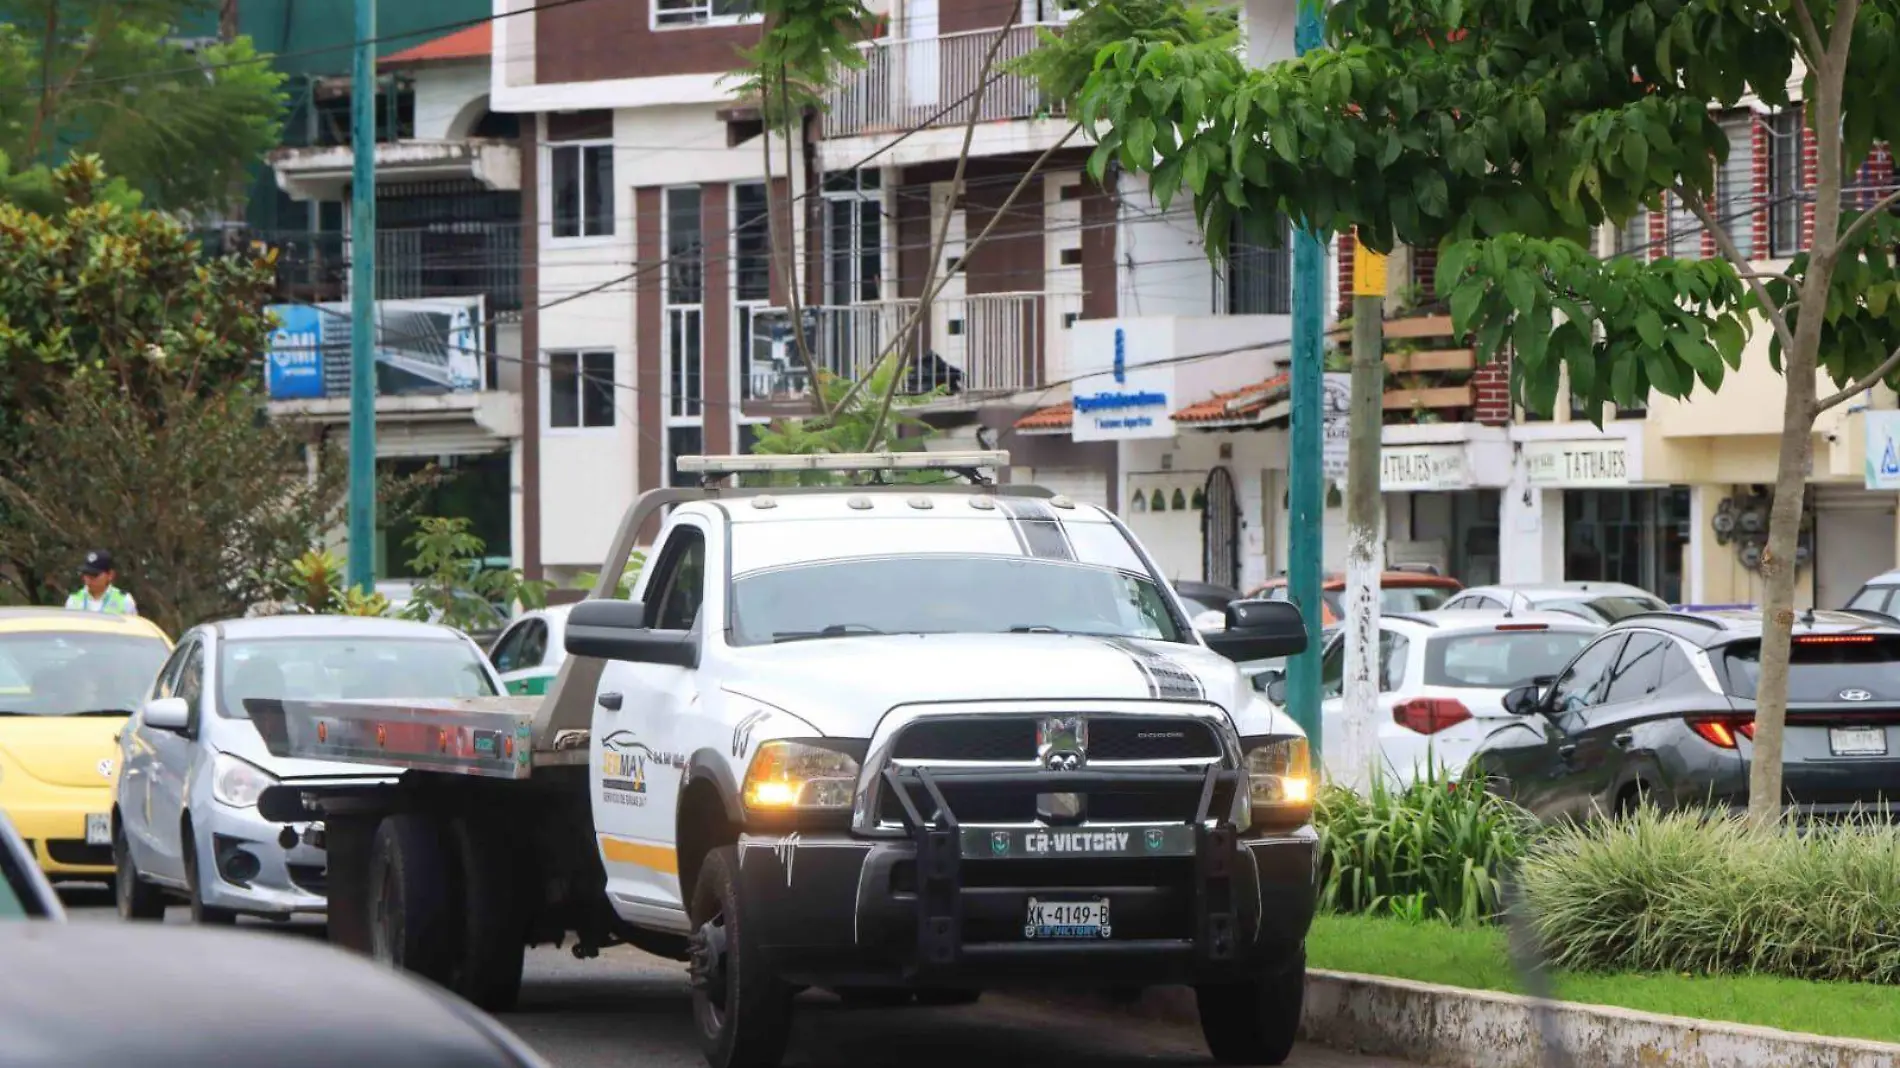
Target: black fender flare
[(709, 765)]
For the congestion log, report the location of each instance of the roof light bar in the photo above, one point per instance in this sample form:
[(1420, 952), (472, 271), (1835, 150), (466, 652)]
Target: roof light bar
[(948, 460)]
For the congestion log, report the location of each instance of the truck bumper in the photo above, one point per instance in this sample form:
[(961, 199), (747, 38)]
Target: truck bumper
[(835, 910)]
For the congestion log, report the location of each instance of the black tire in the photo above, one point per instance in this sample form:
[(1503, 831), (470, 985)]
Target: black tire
[(201, 913), (487, 969), (414, 920), (136, 898), (874, 997), (1254, 1022), (943, 999), (743, 1011)]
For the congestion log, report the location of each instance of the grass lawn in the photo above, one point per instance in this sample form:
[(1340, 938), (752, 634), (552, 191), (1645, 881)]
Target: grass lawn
[(1476, 958)]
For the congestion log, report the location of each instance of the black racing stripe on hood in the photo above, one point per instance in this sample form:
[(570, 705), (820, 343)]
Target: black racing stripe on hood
[(1167, 679), (1037, 528)]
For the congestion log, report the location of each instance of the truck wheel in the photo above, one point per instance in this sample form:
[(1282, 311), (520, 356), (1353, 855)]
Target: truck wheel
[(1254, 1022), (413, 920), (488, 967), (744, 1012)]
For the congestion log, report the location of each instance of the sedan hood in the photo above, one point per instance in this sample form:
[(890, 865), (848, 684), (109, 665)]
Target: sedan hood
[(242, 740), (77, 751), (844, 686)]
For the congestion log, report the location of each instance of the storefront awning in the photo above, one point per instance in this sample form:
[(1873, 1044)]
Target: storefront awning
[(1053, 420), (1250, 406)]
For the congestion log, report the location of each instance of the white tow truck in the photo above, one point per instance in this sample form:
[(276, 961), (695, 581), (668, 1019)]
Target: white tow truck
[(900, 742)]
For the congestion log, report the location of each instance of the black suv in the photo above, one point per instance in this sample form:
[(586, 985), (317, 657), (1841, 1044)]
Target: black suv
[(1662, 705)]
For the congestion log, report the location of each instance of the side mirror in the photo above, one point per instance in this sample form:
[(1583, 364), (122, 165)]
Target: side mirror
[(1263, 682), (166, 714), (617, 630), (1524, 701), (1276, 689), (1259, 630)]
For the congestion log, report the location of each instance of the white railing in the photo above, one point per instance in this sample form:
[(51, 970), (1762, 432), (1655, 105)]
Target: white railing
[(931, 81)]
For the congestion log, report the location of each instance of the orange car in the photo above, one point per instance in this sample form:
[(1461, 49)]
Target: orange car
[(1399, 591)]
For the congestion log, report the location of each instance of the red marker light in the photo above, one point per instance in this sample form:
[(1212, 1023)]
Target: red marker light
[(1523, 626)]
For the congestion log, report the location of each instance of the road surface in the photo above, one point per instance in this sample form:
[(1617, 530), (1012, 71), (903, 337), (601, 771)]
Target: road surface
[(629, 1010)]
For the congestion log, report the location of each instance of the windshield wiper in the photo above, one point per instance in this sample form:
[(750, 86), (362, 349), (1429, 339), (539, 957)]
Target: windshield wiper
[(100, 712), (835, 630), (1035, 628)]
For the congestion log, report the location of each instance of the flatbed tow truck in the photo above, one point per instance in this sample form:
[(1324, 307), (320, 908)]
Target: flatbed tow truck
[(901, 742)]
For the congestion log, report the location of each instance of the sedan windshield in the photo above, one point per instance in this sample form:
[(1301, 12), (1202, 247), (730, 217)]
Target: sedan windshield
[(1605, 609), (63, 674), (946, 594), (1394, 599), (348, 668)]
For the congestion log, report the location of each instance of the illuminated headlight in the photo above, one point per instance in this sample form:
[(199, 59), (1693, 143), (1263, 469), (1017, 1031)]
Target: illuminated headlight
[(1280, 781), (788, 777), (238, 783)]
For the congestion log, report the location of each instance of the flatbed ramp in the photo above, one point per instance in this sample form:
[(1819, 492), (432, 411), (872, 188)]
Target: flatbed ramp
[(491, 737)]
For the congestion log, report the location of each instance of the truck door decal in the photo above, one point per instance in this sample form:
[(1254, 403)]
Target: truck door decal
[(1037, 529), (1167, 679)]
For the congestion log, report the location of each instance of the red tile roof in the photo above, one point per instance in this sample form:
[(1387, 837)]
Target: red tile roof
[(1043, 420), (1235, 405), (470, 42)]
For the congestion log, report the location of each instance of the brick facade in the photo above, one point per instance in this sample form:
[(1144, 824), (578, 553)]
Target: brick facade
[(1760, 183), (1494, 391), (1347, 243)]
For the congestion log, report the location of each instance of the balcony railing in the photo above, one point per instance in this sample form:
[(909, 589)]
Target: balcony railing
[(988, 343), (444, 259), (1429, 370), (931, 81)]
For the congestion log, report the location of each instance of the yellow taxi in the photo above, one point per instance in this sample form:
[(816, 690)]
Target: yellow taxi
[(68, 682)]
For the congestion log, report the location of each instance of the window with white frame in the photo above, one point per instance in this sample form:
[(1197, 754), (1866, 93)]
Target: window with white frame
[(753, 355), (1787, 190), (579, 386), (1735, 199), (581, 189), (685, 307), (703, 12)]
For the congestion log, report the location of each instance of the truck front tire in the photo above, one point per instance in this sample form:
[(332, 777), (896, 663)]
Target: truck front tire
[(744, 1012), (1254, 1022)]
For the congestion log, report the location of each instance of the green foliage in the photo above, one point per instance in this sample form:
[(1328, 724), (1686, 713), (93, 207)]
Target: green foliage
[(1695, 893), (850, 431), (1062, 63), (1436, 849), (636, 563), (103, 77), (322, 587), (804, 46), (454, 585)]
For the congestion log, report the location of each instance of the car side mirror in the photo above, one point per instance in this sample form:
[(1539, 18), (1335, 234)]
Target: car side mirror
[(1524, 701), (1259, 630), (618, 630), (1275, 689), (167, 714)]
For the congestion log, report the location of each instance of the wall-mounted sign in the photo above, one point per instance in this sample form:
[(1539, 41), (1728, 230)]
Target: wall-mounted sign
[(1416, 468), (1883, 450), (1599, 462), (421, 346), (1124, 403), (1336, 404), (293, 366)]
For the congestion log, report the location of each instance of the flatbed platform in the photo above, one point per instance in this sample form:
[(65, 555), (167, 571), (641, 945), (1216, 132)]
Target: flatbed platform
[(491, 737)]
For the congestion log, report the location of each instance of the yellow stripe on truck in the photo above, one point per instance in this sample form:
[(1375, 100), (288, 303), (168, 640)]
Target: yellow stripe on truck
[(652, 857)]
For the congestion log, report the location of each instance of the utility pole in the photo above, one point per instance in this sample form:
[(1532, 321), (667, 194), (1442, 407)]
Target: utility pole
[(362, 570), (1365, 525), (1306, 493)]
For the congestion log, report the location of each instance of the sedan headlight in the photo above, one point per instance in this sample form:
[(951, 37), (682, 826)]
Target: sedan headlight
[(1280, 781), (238, 783), (790, 777)]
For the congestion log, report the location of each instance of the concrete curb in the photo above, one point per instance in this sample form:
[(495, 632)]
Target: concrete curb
[(1455, 1028)]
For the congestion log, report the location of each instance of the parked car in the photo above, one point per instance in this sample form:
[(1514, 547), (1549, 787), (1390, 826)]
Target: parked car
[(529, 653), (25, 893), (169, 997), (185, 822), (68, 681), (1662, 706), (1399, 591), (1880, 594), (1206, 603), (1443, 678), (1599, 602)]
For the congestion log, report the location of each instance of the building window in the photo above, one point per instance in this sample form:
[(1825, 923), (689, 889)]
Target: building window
[(702, 12), (685, 378), (1787, 193), (1685, 230), (751, 243), (581, 178), (580, 390), (683, 441), (1259, 271), (685, 254), (685, 293), (1633, 238), (854, 247), (1735, 200)]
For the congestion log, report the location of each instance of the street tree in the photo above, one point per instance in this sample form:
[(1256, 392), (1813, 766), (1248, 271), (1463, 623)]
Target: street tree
[(1504, 133), (180, 123)]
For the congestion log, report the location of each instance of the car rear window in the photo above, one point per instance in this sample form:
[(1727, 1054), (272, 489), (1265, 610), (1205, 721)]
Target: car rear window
[(1499, 660), (1822, 666)]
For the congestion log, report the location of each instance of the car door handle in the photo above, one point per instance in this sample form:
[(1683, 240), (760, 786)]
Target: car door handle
[(1624, 740), (610, 702), (1565, 752)]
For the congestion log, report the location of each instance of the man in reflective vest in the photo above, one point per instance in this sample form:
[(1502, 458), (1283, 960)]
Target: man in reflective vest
[(99, 594)]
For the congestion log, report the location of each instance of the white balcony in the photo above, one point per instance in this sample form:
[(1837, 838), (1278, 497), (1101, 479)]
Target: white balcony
[(931, 81)]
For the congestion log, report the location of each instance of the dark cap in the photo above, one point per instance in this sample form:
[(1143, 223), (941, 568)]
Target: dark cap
[(98, 562)]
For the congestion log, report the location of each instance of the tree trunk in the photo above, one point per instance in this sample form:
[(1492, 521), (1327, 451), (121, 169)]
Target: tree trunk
[(1365, 543)]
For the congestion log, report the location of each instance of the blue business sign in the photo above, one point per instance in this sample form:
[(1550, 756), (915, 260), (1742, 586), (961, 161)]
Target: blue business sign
[(293, 366), (1123, 403)]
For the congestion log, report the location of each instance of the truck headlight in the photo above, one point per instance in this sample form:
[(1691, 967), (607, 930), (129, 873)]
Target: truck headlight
[(788, 777), (238, 783), (1280, 781)]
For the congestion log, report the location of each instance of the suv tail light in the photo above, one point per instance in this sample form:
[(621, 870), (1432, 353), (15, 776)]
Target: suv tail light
[(1429, 715), (1721, 731)]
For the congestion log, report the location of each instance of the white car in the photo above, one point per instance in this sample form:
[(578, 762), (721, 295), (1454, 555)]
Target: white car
[(529, 653), (1599, 602), (185, 819), (1442, 680)]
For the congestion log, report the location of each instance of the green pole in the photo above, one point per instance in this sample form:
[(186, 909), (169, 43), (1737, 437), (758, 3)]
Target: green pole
[(363, 302), (1306, 494)]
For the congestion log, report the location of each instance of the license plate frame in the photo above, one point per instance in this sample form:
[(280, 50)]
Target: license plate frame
[(1040, 924), (1857, 741), (98, 829)]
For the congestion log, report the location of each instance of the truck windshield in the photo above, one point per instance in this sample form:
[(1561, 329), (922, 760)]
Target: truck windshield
[(347, 668), (941, 593)]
